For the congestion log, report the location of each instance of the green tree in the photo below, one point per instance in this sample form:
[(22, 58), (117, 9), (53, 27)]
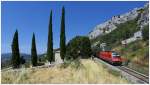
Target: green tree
[(22, 60), (78, 47), (15, 51), (50, 55), (33, 51), (145, 33), (62, 36)]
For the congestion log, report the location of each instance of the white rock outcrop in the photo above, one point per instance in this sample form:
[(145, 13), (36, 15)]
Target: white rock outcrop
[(111, 24)]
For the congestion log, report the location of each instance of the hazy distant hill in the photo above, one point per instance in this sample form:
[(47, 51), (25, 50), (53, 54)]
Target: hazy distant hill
[(6, 58)]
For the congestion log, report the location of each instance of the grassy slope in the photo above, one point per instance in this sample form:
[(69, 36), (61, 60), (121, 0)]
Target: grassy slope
[(123, 31), (88, 72), (134, 52), (137, 54)]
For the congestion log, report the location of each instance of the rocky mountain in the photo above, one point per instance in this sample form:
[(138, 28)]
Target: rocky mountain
[(108, 26)]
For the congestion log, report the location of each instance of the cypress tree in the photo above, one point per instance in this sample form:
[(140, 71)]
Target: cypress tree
[(50, 56), (33, 52), (62, 36), (15, 51)]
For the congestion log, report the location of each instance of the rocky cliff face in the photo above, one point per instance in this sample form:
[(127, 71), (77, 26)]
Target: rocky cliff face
[(144, 18), (108, 26)]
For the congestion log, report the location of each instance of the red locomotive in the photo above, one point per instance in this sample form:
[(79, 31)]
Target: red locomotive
[(110, 56)]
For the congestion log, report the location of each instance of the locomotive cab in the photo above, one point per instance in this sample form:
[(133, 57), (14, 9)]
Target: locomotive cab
[(116, 58)]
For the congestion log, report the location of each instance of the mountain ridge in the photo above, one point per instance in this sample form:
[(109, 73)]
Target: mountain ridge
[(112, 23)]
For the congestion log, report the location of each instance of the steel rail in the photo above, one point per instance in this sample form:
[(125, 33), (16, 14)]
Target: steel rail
[(135, 74)]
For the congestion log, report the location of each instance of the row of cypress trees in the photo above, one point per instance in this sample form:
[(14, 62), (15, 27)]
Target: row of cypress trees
[(50, 56)]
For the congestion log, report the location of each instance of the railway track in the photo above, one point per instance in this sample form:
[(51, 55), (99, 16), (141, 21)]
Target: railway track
[(128, 73), (140, 76)]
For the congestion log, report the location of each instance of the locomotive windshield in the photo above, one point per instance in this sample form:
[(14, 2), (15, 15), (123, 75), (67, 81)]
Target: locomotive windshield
[(114, 54)]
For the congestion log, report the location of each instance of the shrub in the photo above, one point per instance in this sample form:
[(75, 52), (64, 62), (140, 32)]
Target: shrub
[(146, 55), (145, 33), (76, 64), (27, 64), (136, 46), (122, 32), (22, 60), (95, 50), (78, 47), (65, 64), (42, 58)]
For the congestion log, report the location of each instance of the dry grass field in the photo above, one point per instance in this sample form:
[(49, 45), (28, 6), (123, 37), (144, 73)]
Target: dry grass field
[(89, 72)]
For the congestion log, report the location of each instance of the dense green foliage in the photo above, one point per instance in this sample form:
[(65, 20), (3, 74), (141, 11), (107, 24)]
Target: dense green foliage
[(78, 47), (22, 60), (15, 51), (145, 33), (62, 36), (123, 31), (50, 55), (33, 52), (137, 54)]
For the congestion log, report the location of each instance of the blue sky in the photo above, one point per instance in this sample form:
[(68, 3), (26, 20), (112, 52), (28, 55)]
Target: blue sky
[(28, 17)]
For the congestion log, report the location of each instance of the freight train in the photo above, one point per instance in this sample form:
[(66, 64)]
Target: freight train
[(110, 56)]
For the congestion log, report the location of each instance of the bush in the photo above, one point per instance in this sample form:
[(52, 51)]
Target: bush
[(136, 46), (27, 64), (146, 54), (78, 47), (76, 64), (65, 64), (95, 50), (145, 33), (22, 60), (73, 63)]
